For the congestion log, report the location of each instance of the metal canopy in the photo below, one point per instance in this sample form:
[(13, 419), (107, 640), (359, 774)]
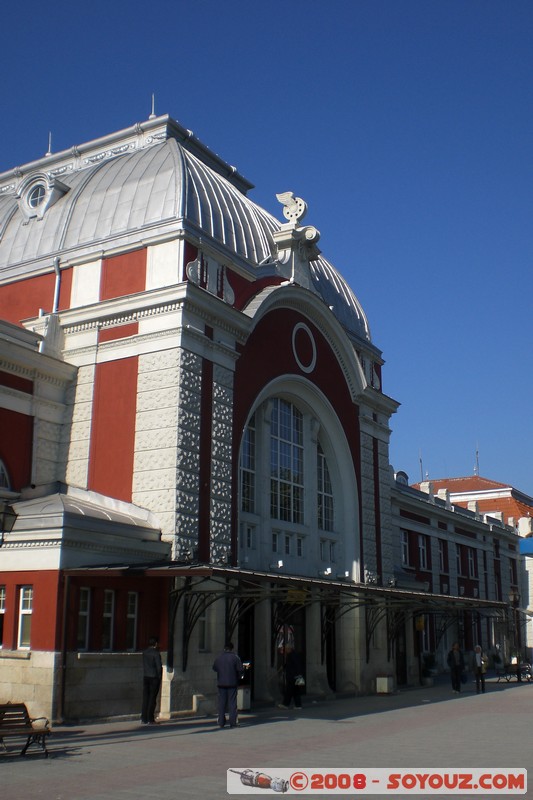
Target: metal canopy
[(242, 589), (202, 585)]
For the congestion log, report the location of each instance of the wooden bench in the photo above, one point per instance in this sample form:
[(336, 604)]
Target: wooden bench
[(15, 721)]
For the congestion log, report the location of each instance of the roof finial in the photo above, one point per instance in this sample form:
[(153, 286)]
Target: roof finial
[(49, 151), (152, 115)]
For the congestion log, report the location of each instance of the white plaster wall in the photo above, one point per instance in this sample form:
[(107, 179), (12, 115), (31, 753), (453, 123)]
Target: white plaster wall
[(85, 284), (163, 264)]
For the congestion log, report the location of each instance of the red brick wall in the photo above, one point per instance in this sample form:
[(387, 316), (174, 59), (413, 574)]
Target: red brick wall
[(113, 428)]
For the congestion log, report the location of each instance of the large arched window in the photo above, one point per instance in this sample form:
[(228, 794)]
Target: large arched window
[(286, 462), (324, 492), (290, 509)]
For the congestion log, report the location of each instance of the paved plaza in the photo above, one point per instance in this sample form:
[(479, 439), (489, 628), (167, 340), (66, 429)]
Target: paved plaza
[(188, 758)]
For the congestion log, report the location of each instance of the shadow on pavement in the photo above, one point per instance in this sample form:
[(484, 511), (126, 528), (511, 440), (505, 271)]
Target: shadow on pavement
[(68, 741)]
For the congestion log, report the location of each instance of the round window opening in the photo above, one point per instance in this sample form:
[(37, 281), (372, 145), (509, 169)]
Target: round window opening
[(36, 195)]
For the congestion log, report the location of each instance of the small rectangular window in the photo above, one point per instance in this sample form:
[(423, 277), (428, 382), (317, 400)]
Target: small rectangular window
[(422, 551), (82, 642), (247, 537), (287, 545), (25, 615), (108, 619), (323, 550), (2, 613), (405, 548), (248, 469), (299, 546), (131, 621), (472, 563), (458, 563), (275, 542), (443, 556)]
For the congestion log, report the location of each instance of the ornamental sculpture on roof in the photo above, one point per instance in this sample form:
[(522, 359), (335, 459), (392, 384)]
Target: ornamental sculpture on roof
[(296, 246), (294, 209)]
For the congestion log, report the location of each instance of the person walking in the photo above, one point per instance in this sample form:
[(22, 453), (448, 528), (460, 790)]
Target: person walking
[(229, 669), (480, 668), (293, 678), (456, 664), (152, 676)]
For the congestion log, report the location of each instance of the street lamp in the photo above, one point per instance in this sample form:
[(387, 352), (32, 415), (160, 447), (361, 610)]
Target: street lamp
[(7, 519), (514, 599)]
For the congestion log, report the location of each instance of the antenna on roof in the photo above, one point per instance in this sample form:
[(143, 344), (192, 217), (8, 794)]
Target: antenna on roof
[(476, 466), (152, 115), (49, 151), (421, 468)]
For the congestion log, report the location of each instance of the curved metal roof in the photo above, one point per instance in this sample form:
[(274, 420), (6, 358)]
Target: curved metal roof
[(114, 196)]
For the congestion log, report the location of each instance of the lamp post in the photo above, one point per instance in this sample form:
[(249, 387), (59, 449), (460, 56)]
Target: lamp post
[(514, 599), (7, 519)]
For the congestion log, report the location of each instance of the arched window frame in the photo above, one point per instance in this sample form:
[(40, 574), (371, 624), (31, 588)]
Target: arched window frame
[(308, 550)]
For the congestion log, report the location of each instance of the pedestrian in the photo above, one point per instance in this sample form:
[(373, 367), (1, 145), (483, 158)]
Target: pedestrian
[(229, 669), (456, 664), (294, 678), (152, 676), (480, 668)]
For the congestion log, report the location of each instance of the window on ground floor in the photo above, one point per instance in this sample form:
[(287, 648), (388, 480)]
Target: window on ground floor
[(131, 620), (25, 615), (2, 612), (84, 608), (108, 619)]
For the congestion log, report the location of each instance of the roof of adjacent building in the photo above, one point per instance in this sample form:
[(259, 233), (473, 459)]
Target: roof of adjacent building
[(146, 182), (471, 483), (489, 494)]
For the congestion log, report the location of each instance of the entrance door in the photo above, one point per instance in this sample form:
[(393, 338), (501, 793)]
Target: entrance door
[(290, 631), (331, 652), (246, 646)]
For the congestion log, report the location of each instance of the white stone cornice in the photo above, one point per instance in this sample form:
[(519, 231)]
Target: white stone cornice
[(122, 310), (115, 321), (35, 366), (31, 405)]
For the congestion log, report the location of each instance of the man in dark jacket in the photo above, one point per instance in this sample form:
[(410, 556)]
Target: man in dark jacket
[(229, 670), (152, 675), (456, 664), (293, 669)]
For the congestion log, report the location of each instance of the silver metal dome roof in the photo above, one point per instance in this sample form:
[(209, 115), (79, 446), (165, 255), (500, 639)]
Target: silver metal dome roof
[(147, 181)]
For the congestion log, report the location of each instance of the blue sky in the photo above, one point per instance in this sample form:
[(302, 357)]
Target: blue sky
[(406, 125)]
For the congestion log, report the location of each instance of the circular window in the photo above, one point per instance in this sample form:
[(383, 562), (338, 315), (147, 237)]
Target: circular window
[(36, 195)]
